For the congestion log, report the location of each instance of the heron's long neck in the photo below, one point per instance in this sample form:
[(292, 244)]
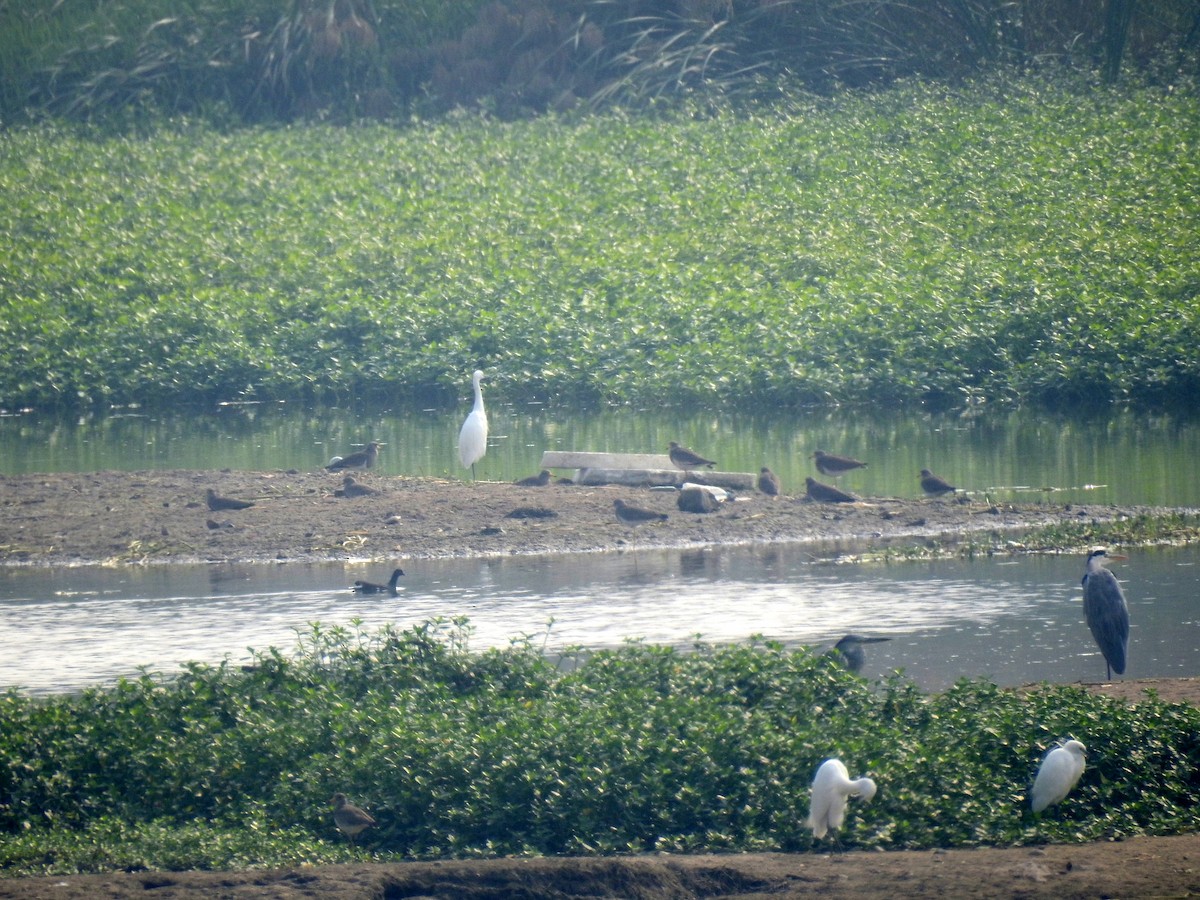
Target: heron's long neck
[(478, 398)]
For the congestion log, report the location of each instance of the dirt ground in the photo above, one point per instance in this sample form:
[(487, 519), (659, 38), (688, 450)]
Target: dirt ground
[(161, 517)]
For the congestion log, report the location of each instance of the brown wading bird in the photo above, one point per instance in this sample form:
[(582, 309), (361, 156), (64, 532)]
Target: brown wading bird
[(217, 503), (826, 493), (349, 819), (370, 587), (935, 486), (351, 488), (686, 459), (363, 459), (768, 482), (835, 466), (541, 479), (635, 515)]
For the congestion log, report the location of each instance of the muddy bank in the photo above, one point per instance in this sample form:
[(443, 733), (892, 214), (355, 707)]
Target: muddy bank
[(163, 517)]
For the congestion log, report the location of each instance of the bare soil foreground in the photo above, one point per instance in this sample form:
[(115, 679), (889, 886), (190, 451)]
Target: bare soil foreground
[(162, 517)]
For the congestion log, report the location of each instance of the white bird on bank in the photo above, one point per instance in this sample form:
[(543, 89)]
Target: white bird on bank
[(831, 790), (1058, 773), (472, 439)]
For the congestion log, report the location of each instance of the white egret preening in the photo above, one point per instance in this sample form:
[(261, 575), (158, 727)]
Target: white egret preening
[(1106, 612), (831, 790), (472, 439), (1058, 773)]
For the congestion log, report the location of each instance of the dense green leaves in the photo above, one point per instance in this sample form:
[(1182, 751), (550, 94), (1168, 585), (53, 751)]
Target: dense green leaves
[(1007, 240), (511, 752)]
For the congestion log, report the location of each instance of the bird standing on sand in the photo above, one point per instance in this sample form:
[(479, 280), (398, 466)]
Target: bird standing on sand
[(472, 439), (1058, 773), (370, 587), (541, 479), (831, 790), (835, 466), (217, 503), (363, 459), (685, 459), (635, 515), (768, 482), (935, 486), (850, 649), (1106, 611), (351, 488), (826, 493), (349, 819)]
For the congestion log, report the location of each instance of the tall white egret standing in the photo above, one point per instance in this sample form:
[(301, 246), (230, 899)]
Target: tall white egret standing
[(472, 439), (1106, 612), (831, 790), (1059, 771)]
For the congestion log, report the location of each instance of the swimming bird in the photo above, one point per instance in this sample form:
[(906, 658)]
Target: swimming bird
[(472, 439), (768, 482), (1106, 611), (851, 651), (217, 503), (635, 515), (370, 587), (349, 819), (351, 488), (1058, 773), (935, 486), (831, 790), (363, 459), (835, 466), (826, 493), (541, 479), (685, 459)]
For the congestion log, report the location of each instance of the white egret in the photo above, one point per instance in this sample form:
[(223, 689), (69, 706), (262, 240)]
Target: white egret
[(1059, 771), (472, 439), (831, 790), (1106, 612)]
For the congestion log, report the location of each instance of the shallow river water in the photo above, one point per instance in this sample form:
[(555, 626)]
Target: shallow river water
[(1012, 620)]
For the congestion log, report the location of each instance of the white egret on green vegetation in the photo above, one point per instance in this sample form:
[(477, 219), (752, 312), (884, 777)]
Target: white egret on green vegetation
[(1058, 773), (831, 790), (1106, 612), (472, 439)]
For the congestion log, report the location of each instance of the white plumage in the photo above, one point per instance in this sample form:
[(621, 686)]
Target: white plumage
[(1058, 773), (472, 439), (831, 790)]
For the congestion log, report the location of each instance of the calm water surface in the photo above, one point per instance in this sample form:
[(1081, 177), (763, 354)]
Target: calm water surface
[(1013, 621)]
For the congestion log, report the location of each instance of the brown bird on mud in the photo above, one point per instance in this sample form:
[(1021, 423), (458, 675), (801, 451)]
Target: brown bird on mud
[(768, 482), (363, 459), (349, 819), (217, 503), (351, 488), (835, 466), (826, 493), (541, 479), (686, 459), (935, 486), (635, 515), (370, 587)]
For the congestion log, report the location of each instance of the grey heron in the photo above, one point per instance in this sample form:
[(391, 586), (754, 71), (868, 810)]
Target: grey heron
[(1106, 612), (850, 649), (831, 790), (472, 439), (1057, 774)]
